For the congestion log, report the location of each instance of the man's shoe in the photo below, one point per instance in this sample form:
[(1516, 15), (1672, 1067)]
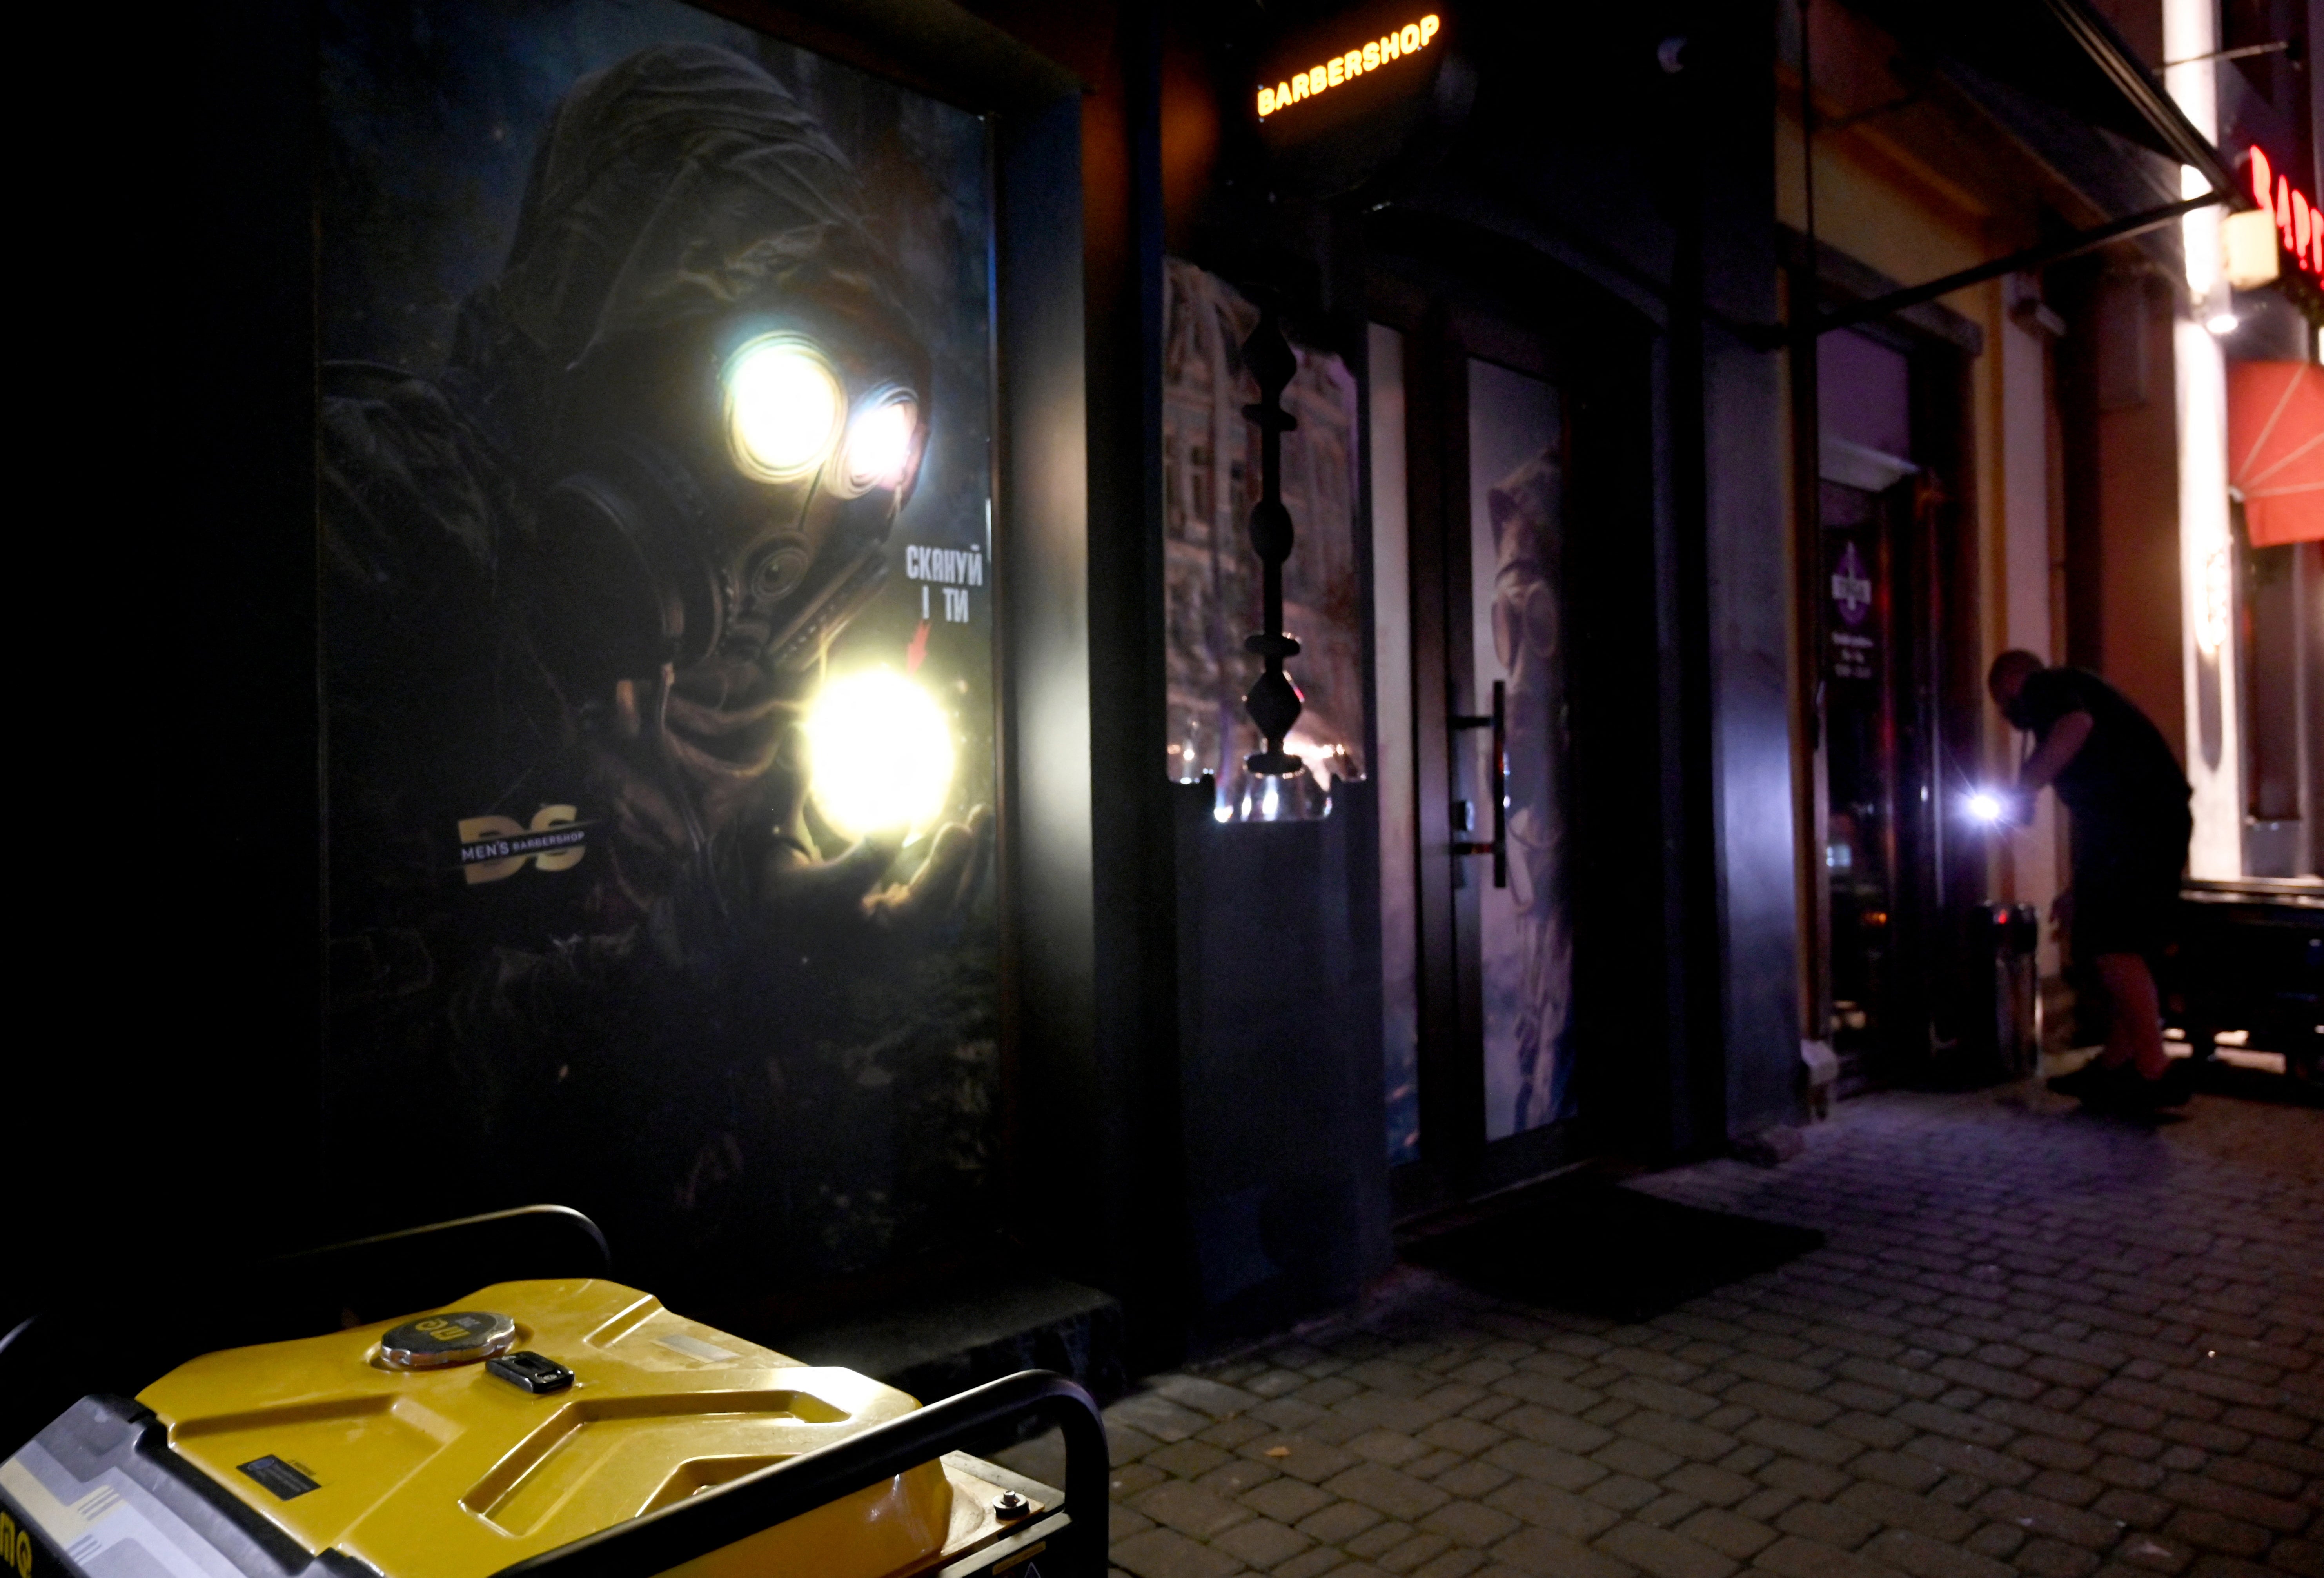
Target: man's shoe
[(2094, 1083), (2173, 1087)]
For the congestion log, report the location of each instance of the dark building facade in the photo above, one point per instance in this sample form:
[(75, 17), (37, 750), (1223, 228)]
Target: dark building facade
[(596, 394)]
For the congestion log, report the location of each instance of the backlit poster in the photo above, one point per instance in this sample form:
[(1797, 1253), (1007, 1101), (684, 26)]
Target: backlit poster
[(657, 611), (1517, 533)]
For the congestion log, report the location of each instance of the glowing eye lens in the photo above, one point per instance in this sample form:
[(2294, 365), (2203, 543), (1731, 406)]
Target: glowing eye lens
[(783, 407), (882, 753), (880, 443)]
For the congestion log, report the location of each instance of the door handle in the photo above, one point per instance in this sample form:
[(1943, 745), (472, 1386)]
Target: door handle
[(1498, 720)]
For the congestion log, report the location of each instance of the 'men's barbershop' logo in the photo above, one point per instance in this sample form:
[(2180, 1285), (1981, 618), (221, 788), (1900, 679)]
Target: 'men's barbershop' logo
[(492, 847)]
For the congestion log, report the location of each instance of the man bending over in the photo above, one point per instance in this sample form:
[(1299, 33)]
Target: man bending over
[(2110, 766)]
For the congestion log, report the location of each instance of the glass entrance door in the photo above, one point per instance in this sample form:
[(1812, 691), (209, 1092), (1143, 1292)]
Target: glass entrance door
[(1468, 431), (1885, 933), (1863, 815)]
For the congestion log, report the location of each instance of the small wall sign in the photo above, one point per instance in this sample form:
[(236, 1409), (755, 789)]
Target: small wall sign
[(1372, 55), (1374, 95)]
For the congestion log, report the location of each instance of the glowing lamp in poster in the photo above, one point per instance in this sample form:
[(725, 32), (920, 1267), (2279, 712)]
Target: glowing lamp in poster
[(880, 438), (881, 749), (784, 406)]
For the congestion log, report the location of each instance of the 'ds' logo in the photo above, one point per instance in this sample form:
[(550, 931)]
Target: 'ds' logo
[(492, 847)]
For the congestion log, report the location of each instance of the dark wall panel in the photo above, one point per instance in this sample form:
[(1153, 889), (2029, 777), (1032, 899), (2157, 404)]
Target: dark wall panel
[(1279, 995)]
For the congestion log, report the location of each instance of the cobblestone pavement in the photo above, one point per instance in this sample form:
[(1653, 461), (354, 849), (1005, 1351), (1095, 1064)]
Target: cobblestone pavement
[(2037, 1343)]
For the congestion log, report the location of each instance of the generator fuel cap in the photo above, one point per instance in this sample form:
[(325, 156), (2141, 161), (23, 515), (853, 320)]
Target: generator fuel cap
[(461, 1337)]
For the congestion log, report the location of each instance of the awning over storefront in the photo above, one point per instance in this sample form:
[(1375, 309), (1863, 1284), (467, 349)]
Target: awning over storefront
[(2064, 55), (2061, 81), (2275, 449)]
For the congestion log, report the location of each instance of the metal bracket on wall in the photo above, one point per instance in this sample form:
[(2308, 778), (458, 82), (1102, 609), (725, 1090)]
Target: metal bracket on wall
[(2023, 260)]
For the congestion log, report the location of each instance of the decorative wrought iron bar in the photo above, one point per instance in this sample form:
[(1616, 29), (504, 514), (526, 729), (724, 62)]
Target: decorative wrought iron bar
[(1273, 702)]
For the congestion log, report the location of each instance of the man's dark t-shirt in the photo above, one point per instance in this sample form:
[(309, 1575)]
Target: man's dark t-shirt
[(2129, 801), (2124, 773)]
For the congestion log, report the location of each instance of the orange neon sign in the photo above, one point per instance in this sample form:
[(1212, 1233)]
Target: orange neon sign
[(2299, 224), (1317, 81)]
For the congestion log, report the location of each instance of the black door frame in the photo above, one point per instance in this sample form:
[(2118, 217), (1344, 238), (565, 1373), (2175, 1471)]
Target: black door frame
[(1943, 872), (1456, 294)]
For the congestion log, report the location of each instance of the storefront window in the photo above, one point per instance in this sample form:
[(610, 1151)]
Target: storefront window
[(1211, 460), (2275, 420)]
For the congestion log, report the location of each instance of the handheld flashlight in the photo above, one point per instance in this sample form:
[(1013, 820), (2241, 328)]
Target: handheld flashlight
[(1985, 806)]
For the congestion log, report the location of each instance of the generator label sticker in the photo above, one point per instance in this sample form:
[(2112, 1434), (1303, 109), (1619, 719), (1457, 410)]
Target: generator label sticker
[(287, 1482)]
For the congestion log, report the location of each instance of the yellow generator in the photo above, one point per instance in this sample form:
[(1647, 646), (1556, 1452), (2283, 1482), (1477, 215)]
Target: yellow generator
[(569, 1428)]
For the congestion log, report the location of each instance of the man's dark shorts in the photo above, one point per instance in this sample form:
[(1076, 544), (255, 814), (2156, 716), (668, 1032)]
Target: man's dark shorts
[(2126, 884)]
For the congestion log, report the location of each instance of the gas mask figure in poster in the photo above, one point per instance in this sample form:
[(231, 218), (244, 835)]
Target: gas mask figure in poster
[(741, 418), (601, 561)]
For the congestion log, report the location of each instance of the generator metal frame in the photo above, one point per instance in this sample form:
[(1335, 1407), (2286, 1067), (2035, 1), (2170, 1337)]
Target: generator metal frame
[(716, 1519)]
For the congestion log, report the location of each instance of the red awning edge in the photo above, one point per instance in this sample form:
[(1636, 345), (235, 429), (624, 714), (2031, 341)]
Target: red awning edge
[(2275, 449)]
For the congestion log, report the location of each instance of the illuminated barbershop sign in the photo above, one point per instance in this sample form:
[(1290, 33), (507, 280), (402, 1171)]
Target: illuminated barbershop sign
[(1317, 81), (2298, 224)]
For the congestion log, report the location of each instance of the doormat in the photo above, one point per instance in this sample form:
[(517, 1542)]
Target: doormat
[(1606, 1251)]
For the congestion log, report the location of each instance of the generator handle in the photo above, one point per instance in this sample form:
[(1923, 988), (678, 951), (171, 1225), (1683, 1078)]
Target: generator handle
[(716, 1519)]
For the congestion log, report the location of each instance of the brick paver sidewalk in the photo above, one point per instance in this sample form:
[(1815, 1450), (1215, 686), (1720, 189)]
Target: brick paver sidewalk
[(2037, 1343)]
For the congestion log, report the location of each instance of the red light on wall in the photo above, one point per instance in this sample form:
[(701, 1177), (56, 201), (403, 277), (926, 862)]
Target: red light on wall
[(2298, 224)]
